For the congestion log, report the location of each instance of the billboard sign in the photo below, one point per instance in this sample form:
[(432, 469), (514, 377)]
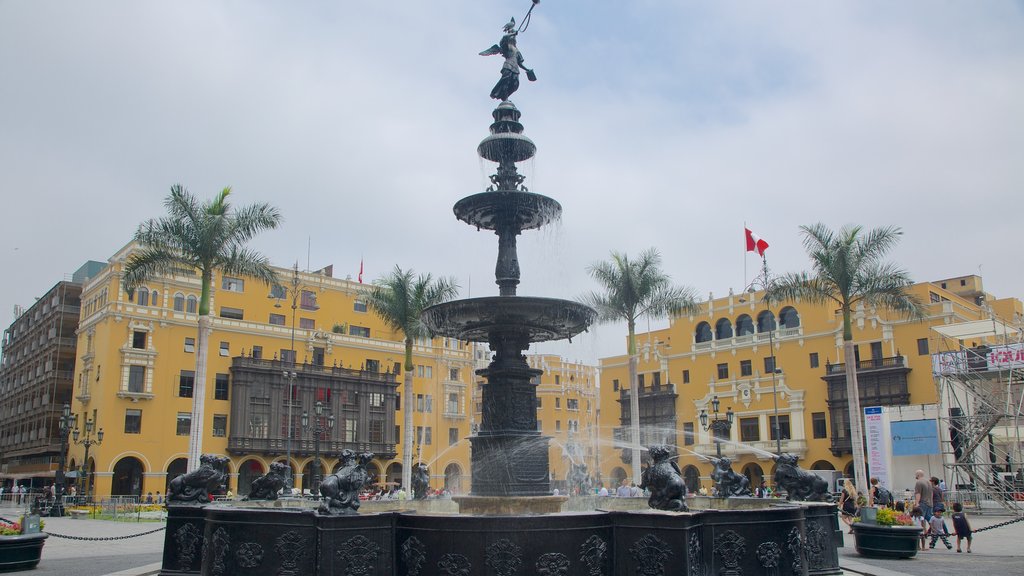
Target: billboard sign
[(914, 437)]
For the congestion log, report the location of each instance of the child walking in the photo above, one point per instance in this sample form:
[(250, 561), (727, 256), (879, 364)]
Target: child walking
[(961, 526), (918, 517), (939, 531)]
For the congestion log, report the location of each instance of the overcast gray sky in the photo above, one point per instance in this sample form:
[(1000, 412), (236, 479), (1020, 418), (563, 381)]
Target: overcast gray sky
[(665, 124)]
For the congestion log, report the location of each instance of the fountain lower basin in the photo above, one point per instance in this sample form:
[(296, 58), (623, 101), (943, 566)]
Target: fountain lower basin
[(221, 539)]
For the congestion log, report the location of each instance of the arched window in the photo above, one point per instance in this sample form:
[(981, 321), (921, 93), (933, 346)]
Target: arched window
[(191, 304), (179, 302), (723, 329), (143, 296), (703, 333), (154, 297), (765, 321), (744, 325), (789, 318)]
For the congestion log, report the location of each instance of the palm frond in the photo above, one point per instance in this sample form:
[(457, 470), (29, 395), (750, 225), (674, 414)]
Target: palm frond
[(149, 262)]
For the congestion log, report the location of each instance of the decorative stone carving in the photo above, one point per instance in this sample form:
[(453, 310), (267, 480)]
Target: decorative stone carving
[(454, 565), (359, 554), (341, 489), (267, 486), (413, 553), (799, 484), (650, 554), (221, 543), (592, 553), (795, 544), (768, 554), (693, 557), (187, 537), (504, 557), (291, 547), (730, 547), (249, 555), (815, 543), (728, 482), (664, 480), (553, 564), (196, 486)]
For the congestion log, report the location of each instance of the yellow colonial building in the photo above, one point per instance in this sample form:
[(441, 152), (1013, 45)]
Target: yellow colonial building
[(780, 372), (274, 354)]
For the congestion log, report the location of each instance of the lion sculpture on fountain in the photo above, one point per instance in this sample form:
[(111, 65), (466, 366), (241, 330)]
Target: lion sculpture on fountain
[(663, 479), (267, 486), (341, 489), (727, 481), (197, 486), (799, 484)]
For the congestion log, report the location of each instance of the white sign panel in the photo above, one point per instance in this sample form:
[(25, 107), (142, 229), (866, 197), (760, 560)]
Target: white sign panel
[(878, 453)]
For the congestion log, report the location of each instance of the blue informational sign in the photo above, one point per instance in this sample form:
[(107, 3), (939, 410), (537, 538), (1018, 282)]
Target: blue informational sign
[(914, 437)]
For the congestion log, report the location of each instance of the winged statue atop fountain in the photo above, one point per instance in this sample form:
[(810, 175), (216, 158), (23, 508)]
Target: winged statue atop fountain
[(509, 81)]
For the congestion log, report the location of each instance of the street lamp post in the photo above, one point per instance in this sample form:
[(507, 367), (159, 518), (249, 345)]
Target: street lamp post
[(293, 290), (317, 428), (289, 376), (718, 426), (65, 422), (88, 441)]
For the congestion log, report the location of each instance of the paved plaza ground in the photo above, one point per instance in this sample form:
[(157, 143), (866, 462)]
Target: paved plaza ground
[(996, 552)]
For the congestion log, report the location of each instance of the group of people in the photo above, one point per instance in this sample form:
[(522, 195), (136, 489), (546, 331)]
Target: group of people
[(927, 509)]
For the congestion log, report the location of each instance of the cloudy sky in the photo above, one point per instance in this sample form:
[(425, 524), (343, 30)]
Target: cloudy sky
[(658, 123)]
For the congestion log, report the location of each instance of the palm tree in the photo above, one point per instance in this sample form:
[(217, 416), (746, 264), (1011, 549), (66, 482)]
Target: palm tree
[(204, 237), (631, 290), (847, 270), (399, 298)]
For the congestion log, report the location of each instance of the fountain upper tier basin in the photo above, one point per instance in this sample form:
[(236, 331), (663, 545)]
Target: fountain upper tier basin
[(541, 319), (507, 147), (523, 210)]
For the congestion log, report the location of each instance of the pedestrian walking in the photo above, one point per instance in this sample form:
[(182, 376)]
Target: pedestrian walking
[(917, 516), (923, 494)]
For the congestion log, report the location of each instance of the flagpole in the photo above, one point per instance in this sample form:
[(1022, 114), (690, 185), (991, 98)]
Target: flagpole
[(745, 250)]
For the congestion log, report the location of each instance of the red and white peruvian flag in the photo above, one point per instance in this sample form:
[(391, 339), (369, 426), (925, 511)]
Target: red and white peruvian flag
[(755, 243)]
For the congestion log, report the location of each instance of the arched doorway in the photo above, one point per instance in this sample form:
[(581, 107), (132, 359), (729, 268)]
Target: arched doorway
[(247, 472), (373, 470), (453, 478), (176, 468), (394, 474), (754, 473), (127, 479), (822, 465), (308, 471), (848, 470), (691, 477), (618, 475)]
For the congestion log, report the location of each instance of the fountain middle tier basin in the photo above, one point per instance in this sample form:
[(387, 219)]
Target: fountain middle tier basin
[(538, 319), (522, 210)]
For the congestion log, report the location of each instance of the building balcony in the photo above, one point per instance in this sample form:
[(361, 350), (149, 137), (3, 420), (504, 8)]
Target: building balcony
[(329, 449), (892, 363), (748, 339), (760, 449)]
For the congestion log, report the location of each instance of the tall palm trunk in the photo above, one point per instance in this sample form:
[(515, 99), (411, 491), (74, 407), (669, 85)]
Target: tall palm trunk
[(634, 403), (853, 397), (195, 441), (407, 414)]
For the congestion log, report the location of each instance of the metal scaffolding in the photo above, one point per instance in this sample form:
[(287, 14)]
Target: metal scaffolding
[(979, 374)]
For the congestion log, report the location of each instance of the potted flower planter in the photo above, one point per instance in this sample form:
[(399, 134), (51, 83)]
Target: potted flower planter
[(21, 552), (877, 541)]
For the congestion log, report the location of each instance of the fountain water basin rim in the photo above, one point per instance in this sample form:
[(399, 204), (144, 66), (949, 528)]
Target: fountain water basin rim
[(536, 319)]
